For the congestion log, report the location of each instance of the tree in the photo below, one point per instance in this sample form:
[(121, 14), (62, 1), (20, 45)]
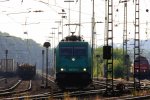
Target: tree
[(119, 70)]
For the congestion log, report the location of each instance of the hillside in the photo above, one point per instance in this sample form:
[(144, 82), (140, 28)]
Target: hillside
[(22, 51)]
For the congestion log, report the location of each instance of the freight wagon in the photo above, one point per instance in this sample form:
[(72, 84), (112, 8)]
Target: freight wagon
[(7, 67), (26, 71)]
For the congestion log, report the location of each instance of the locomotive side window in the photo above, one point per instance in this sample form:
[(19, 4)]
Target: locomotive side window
[(80, 51), (143, 61), (66, 51)]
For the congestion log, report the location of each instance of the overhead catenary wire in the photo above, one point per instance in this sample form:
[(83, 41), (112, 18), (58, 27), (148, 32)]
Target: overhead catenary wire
[(55, 6)]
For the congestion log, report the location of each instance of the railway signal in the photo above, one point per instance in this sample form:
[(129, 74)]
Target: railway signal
[(42, 66), (6, 52), (47, 45)]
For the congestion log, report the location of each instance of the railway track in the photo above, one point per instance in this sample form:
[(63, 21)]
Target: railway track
[(24, 86), (10, 88), (80, 94), (61, 94), (56, 93), (6, 83), (17, 90)]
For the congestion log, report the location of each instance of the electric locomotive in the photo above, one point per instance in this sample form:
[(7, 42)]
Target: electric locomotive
[(144, 68), (73, 62)]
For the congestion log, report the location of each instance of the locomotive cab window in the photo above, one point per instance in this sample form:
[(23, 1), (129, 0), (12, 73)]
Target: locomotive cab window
[(80, 51), (66, 51)]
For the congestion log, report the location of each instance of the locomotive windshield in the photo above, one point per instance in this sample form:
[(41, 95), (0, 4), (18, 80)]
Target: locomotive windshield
[(73, 51), (66, 51), (79, 51)]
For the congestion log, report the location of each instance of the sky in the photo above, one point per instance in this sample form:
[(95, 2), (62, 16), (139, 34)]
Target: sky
[(19, 16)]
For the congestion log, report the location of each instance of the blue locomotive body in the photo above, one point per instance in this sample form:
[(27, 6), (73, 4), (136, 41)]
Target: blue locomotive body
[(73, 64)]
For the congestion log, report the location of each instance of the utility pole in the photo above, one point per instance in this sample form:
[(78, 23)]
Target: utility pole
[(105, 34), (125, 40), (108, 51), (80, 18), (59, 23), (54, 56), (97, 56), (62, 17), (137, 69), (54, 34), (6, 53), (93, 27), (69, 14), (106, 22)]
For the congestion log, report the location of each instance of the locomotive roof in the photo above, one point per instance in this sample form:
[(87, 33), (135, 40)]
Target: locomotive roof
[(141, 58), (73, 42), (73, 38)]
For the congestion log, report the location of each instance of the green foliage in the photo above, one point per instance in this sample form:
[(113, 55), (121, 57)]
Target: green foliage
[(119, 69), (98, 62)]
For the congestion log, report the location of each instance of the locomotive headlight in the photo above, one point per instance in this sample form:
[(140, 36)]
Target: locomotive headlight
[(62, 69), (73, 59), (84, 69)]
